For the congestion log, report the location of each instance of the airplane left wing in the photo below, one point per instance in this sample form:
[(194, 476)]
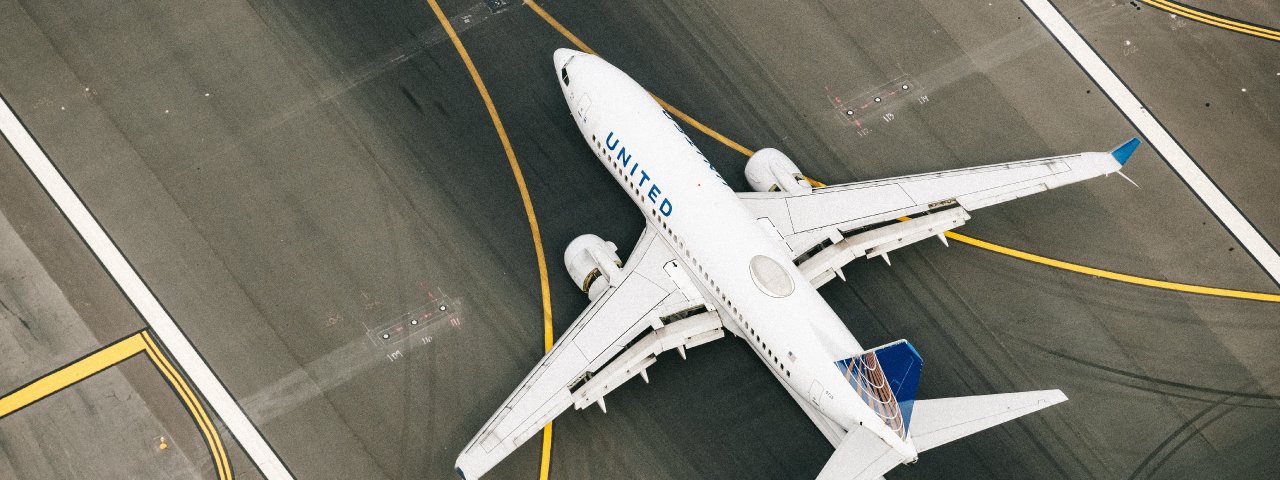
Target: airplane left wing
[(601, 350), (843, 214)]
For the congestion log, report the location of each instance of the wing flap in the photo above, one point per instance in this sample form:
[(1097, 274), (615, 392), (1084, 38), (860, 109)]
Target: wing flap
[(682, 334), (647, 293), (825, 265)]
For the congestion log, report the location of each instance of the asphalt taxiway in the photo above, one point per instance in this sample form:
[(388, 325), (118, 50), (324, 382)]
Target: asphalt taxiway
[(297, 179)]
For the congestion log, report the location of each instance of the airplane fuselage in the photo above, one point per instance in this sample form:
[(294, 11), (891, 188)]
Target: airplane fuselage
[(747, 274)]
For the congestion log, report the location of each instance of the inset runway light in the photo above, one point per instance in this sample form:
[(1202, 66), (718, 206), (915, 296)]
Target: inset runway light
[(1244, 89), (442, 307), (848, 112), (877, 99), (413, 322), (206, 94), (906, 87), (386, 336)]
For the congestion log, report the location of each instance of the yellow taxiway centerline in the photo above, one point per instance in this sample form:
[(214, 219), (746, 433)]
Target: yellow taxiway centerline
[(992, 247), (107, 357), (548, 335), (194, 407), (1212, 19)]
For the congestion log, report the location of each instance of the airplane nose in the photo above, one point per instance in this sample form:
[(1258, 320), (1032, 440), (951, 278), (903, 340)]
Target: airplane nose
[(563, 55)]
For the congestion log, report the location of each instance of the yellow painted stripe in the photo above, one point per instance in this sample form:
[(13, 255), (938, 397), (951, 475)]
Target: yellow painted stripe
[(1030, 257), (1119, 277), (546, 17), (194, 407), (548, 334), (544, 466), (515, 170), (69, 375), (1214, 19), (108, 357), (703, 128)]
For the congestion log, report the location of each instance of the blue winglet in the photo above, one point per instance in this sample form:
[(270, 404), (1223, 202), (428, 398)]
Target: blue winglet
[(1123, 152)]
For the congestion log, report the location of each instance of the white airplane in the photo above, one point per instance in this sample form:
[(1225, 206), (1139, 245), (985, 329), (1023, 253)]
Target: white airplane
[(711, 259)]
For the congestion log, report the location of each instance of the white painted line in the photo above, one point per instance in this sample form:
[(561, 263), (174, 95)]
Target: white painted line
[(1157, 136), (141, 296)]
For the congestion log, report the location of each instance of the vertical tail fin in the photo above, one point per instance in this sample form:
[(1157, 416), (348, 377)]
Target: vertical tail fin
[(886, 378)]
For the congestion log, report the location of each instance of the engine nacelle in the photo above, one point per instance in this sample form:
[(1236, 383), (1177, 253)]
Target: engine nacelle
[(593, 264), (770, 171)]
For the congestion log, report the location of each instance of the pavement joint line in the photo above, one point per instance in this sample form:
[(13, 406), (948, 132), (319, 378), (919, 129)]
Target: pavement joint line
[(971, 241), (140, 295), (109, 356), (1215, 20), (548, 333), (1159, 138)]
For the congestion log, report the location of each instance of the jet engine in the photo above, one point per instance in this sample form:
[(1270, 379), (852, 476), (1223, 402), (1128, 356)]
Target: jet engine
[(770, 171), (589, 260)]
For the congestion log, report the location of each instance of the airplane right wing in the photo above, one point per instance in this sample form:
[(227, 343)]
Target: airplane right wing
[(858, 218), (604, 347)]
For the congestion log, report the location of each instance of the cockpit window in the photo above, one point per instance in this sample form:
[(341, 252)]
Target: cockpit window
[(564, 75)]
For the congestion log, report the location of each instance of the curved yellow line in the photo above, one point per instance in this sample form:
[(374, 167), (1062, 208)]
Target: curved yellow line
[(548, 334), (216, 448), (1107, 274), (1030, 257), (110, 356), (1214, 20)]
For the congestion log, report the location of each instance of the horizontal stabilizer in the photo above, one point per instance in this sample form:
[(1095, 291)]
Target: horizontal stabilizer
[(861, 455), (943, 420)]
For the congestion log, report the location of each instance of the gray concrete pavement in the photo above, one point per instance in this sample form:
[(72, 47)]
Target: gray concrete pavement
[(342, 172), (111, 425)]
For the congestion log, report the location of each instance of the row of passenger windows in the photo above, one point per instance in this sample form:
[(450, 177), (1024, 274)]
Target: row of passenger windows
[(706, 276)]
